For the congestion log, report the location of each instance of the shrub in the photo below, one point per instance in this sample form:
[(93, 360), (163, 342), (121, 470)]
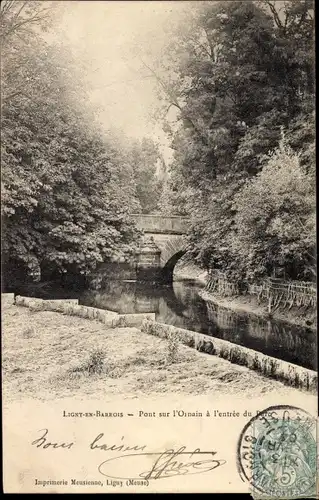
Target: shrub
[(94, 364), (172, 347)]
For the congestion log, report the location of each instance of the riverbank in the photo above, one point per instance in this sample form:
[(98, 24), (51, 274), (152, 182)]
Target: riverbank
[(250, 305), (185, 270), (48, 356), (189, 271)]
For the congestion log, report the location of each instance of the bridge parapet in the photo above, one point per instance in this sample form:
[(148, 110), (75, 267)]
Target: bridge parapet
[(174, 224)]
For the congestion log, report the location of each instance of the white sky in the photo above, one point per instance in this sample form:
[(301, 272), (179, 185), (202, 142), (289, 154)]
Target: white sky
[(109, 36)]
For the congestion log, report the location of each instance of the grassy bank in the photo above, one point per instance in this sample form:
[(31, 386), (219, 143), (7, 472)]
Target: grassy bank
[(250, 305), (47, 355)]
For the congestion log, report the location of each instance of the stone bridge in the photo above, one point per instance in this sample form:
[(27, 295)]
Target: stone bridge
[(163, 245)]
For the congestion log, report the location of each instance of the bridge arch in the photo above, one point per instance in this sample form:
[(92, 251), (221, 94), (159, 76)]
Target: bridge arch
[(168, 270), (169, 236), (172, 249)]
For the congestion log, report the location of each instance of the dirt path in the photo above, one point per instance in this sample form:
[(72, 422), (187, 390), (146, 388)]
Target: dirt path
[(47, 355)]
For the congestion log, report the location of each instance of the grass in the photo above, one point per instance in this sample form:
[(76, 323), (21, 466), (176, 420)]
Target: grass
[(47, 355)]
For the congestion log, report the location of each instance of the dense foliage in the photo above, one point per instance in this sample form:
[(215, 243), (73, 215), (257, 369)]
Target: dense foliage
[(241, 77), (67, 190), (246, 79), (144, 157), (280, 230)]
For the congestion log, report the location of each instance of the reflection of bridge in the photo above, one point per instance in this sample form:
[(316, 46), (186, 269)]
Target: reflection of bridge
[(177, 305), (164, 243)]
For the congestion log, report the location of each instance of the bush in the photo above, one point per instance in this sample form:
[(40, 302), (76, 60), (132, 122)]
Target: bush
[(94, 365), (275, 219)]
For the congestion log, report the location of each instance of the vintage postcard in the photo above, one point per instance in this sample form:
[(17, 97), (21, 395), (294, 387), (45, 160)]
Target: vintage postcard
[(159, 299)]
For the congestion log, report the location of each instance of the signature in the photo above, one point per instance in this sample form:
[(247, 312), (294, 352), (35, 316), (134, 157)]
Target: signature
[(166, 464)]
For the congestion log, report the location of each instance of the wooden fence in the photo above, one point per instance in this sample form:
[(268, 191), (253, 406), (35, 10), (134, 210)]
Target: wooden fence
[(217, 283), (277, 292)]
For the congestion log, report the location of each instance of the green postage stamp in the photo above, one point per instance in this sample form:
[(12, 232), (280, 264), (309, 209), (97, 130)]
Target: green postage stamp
[(277, 454)]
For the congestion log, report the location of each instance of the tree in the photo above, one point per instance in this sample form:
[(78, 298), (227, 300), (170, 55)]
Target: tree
[(144, 157), (275, 219), (23, 17), (66, 195), (244, 72)]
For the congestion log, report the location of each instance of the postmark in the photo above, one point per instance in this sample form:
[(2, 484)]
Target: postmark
[(277, 453)]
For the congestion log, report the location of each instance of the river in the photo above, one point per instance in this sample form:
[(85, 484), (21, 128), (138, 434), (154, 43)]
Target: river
[(182, 306)]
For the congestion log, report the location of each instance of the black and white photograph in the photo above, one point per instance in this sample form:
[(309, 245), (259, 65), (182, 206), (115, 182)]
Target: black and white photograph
[(159, 271)]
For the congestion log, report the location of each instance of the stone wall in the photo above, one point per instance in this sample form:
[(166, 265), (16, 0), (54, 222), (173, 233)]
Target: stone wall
[(7, 299), (288, 373), (149, 223), (72, 308), (151, 258)]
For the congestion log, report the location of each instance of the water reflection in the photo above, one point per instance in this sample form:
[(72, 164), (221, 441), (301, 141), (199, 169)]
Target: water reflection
[(181, 306)]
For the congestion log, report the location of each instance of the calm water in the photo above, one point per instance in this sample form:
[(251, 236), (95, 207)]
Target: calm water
[(182, 306)]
